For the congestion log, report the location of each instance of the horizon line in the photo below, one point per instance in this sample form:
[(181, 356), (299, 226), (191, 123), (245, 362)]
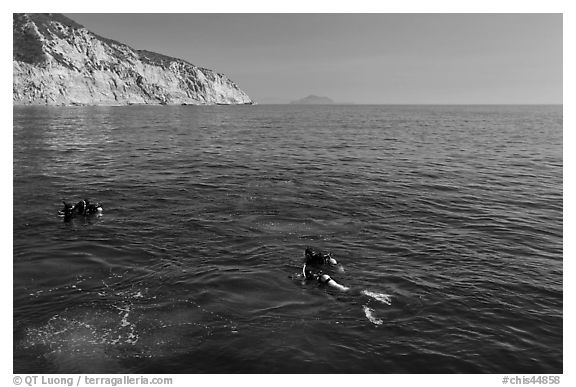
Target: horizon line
[(414, 104)]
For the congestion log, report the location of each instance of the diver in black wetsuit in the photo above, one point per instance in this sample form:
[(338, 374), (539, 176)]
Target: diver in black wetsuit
[(83, 207), (313, 261)]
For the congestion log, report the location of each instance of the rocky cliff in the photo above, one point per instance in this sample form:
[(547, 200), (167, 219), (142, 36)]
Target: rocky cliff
[(56, 61)]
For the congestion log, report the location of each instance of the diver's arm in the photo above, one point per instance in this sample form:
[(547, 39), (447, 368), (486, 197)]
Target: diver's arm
[(325, 279), (338, 286)]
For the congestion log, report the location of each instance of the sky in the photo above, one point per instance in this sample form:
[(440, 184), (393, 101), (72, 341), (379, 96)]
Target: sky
[(361, 58)]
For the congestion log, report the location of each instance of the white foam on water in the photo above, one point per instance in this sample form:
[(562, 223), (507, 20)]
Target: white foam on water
[(369, 315), (94, 339), (383, 298)]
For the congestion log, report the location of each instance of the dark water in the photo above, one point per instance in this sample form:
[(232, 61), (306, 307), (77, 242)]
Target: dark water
[(452, 214)]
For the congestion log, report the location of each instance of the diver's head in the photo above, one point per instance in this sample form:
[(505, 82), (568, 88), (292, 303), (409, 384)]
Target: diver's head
[(313, 257)]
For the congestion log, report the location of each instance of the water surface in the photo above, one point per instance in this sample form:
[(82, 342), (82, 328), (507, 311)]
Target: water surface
[(453, 212)]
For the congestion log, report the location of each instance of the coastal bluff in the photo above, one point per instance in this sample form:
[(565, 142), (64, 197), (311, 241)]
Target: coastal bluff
[(57, 61)]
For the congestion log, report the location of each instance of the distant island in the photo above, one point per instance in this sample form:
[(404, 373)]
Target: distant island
[(313, 100)]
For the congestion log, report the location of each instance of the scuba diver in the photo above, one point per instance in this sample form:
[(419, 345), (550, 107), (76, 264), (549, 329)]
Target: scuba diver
[(83, 208), (312, 270)]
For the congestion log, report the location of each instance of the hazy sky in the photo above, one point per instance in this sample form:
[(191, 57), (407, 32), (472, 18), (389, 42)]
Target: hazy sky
[(361, 58)]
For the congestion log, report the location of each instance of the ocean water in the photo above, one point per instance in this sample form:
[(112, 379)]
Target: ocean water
[(446, 222)]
